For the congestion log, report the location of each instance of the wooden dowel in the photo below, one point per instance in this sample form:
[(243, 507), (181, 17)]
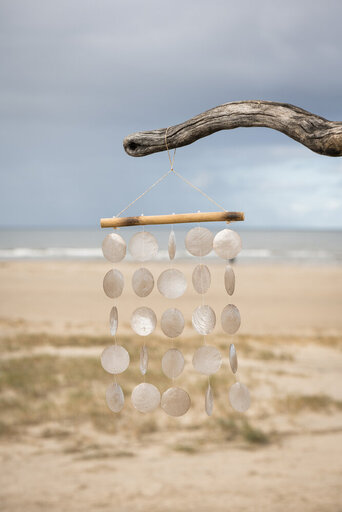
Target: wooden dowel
[(142, 220)]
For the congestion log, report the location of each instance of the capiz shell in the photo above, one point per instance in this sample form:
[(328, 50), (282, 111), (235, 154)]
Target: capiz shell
[(172, 322), (172, 245), (114, 247), (201, 278), (175, 401), (204, 319), (207, 360), (239, 397), (114, 397), (113, 283), (142, 282), (209, 401), (143, 321), (199, 241), (143, 246), (115, 359), (171, 283), (113, 320), (145, 397), (230, 319), (233, 358), (227, 244), (173, 363), (229, 280)]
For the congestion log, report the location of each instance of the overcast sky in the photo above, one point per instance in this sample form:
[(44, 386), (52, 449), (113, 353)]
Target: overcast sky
[(76, 76)]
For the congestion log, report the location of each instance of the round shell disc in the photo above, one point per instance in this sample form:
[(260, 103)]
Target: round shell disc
[(114, 397), (114, 247), (113, 320), (201, 278), (171, 283), (199, 241), (204, 319), (143, 246), (145, 397), (229, 280), (230, 319), (172, 322), (143, 321), (227, 244), (143, 359), (239, 397), (175, 401), (142, 282), (115, 359), (172, 245), (233, 358), (113, 283), (207, 360), (173, 363)]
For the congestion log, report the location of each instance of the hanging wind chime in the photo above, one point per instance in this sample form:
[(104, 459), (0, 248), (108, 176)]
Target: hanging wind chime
[(172, 284)]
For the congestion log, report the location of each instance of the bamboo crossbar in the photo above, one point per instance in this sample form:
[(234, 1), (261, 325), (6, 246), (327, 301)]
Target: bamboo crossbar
[(175, 218)]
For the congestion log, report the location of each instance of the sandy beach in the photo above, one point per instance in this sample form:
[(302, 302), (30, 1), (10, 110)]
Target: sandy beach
[(62, 449)]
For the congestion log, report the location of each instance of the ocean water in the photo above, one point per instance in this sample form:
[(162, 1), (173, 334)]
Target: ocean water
[(310, 247)]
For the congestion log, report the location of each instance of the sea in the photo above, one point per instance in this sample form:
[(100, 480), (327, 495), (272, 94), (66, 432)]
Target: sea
[(259, 245)]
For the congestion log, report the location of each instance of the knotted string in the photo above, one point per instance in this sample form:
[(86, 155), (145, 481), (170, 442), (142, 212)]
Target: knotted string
[(171, 171)]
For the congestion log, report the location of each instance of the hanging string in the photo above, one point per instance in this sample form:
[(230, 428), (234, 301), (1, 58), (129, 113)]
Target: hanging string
[(172, 171)]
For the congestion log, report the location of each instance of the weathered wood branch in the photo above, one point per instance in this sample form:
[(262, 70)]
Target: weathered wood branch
[(314, 132)]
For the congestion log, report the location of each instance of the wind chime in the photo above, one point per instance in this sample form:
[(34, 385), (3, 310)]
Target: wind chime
[(172, 284)]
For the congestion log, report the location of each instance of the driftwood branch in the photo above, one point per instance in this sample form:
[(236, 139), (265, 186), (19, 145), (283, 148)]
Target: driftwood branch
[(314, 132)]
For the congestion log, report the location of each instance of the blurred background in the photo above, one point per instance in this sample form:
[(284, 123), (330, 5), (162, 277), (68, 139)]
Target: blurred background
[(76, 78)]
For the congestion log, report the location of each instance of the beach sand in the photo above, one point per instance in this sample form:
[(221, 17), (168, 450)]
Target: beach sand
[(62, 449)]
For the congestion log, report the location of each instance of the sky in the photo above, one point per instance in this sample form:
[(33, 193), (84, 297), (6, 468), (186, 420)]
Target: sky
[(77, 76)]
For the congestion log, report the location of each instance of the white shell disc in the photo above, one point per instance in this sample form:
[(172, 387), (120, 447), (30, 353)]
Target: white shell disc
[(199, 241), (113, 283), (115, 359), (143, 246), (175, 401), (114, 397), (230, 319), (142, 282), (201, 278), (209, 401), (114, 247), (171, 283), (207, 360), (173, 363), (172, 322), (143, 321), (233, 358), (227, 244), (113, 320), (145, 397), (204, 319), (172, 245), (239, 397), (229, 280), (143, 359)]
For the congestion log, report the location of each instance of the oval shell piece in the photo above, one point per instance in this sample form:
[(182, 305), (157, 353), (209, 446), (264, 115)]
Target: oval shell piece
[(143, 321), (113, 283), (143, 246), (204, 319), (114, 247), (229, 280), (171, 283), (230, 319), (199, 241), (239, 397), (173, 363), (143, 359), (207, 360), (142, 282), (172, 322), (209, 401), (115, 359), (201, 278), (114, 397), (113, 320), (227, 244), (172, 245), (145, 397), (233, 358), (175, 401)]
